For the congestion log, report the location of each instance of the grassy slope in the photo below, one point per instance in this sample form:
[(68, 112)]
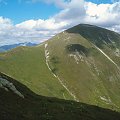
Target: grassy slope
[(35, 107), (92, 79), (27, 64)]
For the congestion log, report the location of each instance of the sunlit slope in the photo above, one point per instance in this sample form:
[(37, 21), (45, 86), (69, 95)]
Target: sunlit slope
[(85, 67), (82, 63), (28, 65)]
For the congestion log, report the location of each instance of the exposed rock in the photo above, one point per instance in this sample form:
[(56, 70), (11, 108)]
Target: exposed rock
[(5, 84), (117, 52)]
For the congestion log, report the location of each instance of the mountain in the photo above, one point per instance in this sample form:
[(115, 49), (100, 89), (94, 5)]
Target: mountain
[(80, 64), (17, 102), (9, 47)]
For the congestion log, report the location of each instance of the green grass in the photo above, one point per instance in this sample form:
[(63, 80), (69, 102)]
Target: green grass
[(27, 64), (82, 79)]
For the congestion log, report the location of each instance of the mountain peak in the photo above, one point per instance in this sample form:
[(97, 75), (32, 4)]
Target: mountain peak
[(80, 64), (87, 27), (97, 35)]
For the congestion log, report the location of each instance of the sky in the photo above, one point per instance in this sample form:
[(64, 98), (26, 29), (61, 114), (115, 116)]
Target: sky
[(38, 20)]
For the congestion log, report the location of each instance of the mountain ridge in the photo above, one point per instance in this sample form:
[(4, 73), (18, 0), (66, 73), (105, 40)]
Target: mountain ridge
[(72, 65), (12, 46)]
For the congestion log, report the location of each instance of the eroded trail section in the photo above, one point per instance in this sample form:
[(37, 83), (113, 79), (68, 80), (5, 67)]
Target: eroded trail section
[(56, 76), (106, 56)]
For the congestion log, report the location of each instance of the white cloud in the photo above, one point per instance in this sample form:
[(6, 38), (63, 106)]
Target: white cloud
[(73, 12), (39, 24), (5, 23), (105, 15), (31, 30)]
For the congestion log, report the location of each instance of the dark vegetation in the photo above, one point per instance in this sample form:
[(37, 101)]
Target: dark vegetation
[(35, 107), (77, 48), (98, 36), (54, 61)]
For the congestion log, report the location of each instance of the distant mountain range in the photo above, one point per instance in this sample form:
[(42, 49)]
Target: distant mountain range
[(9, 47)]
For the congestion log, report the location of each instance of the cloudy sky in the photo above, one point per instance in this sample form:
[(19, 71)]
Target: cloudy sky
[(38, 20)]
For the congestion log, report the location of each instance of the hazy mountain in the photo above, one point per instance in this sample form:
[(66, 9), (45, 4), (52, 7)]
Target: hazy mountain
[(9, 47), (80, 64)]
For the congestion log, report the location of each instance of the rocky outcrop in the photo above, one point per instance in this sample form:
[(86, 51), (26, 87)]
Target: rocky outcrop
[(8, 86)]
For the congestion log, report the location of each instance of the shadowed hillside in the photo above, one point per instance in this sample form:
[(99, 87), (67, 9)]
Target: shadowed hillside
[(97, 35), (35, 107)]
